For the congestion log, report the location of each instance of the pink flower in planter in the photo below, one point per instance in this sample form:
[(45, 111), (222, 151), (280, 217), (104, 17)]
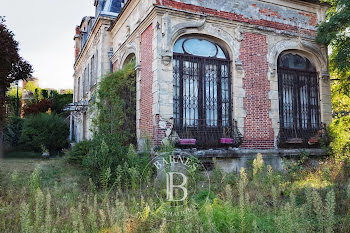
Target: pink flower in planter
[(226, 140), (188, 141)]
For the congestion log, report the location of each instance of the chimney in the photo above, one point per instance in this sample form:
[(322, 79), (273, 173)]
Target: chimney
[(77, 40)]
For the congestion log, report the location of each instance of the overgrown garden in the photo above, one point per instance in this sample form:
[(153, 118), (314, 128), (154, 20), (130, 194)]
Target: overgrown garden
[(96, 187)]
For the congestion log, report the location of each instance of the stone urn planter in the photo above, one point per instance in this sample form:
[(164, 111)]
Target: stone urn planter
[(45, 152)]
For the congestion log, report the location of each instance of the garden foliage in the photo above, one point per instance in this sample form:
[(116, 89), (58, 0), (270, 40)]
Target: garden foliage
[(115, 107), (79, 151), (340, 132), (334, 32), (111, 157), (257, 200), (41, 106), (13, 132), (45, 130)]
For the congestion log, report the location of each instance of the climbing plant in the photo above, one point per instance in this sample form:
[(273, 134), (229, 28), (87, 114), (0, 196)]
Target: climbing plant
[(115, 106), (114, 127)]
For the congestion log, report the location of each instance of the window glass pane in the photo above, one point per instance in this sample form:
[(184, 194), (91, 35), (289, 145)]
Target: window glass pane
[(201, 91), (190, 94), (199, 47), (221, 53), (96, 67), (304, 100), (225, 96), (297, 62), (211, 95), (176, 91), (116, 6), (178, 46)]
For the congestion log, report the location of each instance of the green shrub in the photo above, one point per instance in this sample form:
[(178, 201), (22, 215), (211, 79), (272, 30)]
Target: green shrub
[(79, 152), (45, 130), (59, 101), (41, 106), (116, 108), (339, 131), (110, 158), (12, 132), (109, 154)]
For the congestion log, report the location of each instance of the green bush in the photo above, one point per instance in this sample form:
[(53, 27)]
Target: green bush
[(111, 158), (339, 131), (79, 152), (60, 101), (45, 130), (108, 162), (116, 108), (12, 132)]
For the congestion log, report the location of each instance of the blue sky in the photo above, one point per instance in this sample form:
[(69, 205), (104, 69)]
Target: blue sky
[(45, 30)]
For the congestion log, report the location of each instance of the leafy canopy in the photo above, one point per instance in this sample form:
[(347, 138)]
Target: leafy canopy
[(12, 65), (116, 106), (335, 32)]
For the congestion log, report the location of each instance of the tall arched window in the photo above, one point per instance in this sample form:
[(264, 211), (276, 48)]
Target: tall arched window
[(202, 91), (298, 99), (130, 58)]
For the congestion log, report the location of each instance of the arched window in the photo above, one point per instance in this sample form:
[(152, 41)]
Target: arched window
[(202, 91), (298, 99), (130, 58)]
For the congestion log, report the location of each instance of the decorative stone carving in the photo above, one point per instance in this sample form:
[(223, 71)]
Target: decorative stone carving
[(166, 58), (299, 45), (325, 76), (239, 65), (127, 31), (162, 124), (179, 29), (273, 71), (239, 34)]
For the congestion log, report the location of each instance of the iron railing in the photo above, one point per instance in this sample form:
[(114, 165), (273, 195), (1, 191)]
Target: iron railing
[(200, 135), (300, 138)]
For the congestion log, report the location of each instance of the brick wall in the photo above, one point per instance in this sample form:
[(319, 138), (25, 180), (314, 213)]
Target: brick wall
[(77, 42), (269, 22), (160, 133), (115, 66), (258, 131), (146, 121)]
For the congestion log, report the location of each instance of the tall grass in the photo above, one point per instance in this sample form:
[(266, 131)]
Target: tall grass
[(256, 200)]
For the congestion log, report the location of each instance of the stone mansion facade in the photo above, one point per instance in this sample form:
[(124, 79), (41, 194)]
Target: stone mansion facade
[(210, 74)]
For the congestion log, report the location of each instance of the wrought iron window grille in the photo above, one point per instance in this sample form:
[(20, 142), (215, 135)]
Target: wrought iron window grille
[(300, 124), (203, 102)]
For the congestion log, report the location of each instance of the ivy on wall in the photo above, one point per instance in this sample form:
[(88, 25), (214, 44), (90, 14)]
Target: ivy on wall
[(115, 107)]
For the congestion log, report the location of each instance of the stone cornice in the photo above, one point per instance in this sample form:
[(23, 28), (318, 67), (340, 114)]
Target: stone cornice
[(101, 20)]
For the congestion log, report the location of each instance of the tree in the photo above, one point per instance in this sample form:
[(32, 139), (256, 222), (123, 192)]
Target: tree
[(41, 106), (13, 101), (60, 101), (335, 32), (12, 67)]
